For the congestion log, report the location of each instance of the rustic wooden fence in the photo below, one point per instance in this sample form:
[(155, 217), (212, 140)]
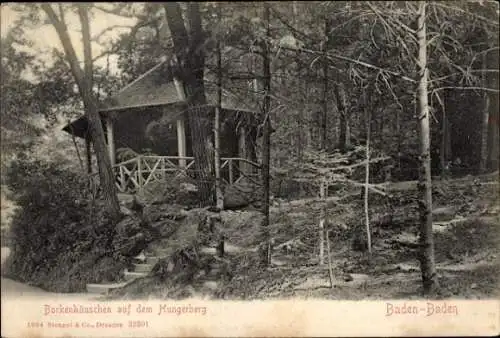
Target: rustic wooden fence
[(134, 174)]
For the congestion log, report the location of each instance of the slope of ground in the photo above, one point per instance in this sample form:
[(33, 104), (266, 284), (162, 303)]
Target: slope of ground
[(466, 241)]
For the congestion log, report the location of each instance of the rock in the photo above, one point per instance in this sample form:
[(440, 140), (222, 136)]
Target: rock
[(211, 285), (241, 194), (234, 198), (127, 212), (359, 277), (134, 245), (182, 233), (128, 226), (188, 187), (438, 191), (166, 227), (347, 277), (178, 190), (382, 220), (158, 212), (141, 257), (443, 214)]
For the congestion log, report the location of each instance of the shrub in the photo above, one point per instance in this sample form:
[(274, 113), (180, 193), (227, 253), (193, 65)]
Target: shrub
[(59, 236)]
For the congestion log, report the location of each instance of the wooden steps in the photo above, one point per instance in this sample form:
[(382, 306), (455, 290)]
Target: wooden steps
[(143, 267), (103, 289), (145, 262), (131, 275), (140, 270)]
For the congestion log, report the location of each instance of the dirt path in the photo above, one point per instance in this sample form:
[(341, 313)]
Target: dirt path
[(13, 289)]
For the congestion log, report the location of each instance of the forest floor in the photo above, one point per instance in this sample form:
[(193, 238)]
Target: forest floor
[(467, 248)]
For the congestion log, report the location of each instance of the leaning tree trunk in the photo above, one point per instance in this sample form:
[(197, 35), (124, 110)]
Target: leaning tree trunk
[(189, 66), (84, 83), (265, 251), (105, 171), (426, 257)]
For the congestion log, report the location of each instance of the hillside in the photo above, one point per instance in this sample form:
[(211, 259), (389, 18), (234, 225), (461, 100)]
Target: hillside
[(467, 239)]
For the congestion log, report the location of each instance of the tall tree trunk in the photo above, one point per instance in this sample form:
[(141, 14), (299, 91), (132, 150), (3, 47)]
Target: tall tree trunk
[(298, 86), (218, 188), (265, 251), (367, 175), (84, 84), (427, 264), (309, 129), (444, 154), (189, 66), (345, 133), (324, 119), (322, 195), (398, 133), (88, 153), (494, 121), (485, 123)]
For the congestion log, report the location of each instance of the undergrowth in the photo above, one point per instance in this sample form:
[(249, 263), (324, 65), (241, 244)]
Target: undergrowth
[(61, 240)]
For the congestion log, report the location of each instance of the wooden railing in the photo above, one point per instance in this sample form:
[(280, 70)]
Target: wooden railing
[(134, 174)]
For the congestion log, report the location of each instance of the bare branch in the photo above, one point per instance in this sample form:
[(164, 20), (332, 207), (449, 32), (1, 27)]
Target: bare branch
[(401, 41), (484, 52), (118, 11), (492, 90), (333, 29), (106, 53), (411, 31), (97, 37), (133, 32), (434, 38), (332, 56), (479, 17), (294, 30)]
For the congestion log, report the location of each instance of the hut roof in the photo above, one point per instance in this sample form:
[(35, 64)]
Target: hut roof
[(154, 87), (157, 87)]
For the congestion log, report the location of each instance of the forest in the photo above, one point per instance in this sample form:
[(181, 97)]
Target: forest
[(375, 149)]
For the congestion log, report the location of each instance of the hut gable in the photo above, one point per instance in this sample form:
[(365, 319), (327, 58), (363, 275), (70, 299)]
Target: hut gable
[(153, 88)]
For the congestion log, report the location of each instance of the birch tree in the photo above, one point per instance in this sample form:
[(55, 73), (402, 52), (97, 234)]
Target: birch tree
[(427, 264), (84, 81), (266, 141)]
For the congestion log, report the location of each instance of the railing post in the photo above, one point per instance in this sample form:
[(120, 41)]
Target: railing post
[(181, 141), (230, 164), (123, 184), (163, 173), (139, 172)]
